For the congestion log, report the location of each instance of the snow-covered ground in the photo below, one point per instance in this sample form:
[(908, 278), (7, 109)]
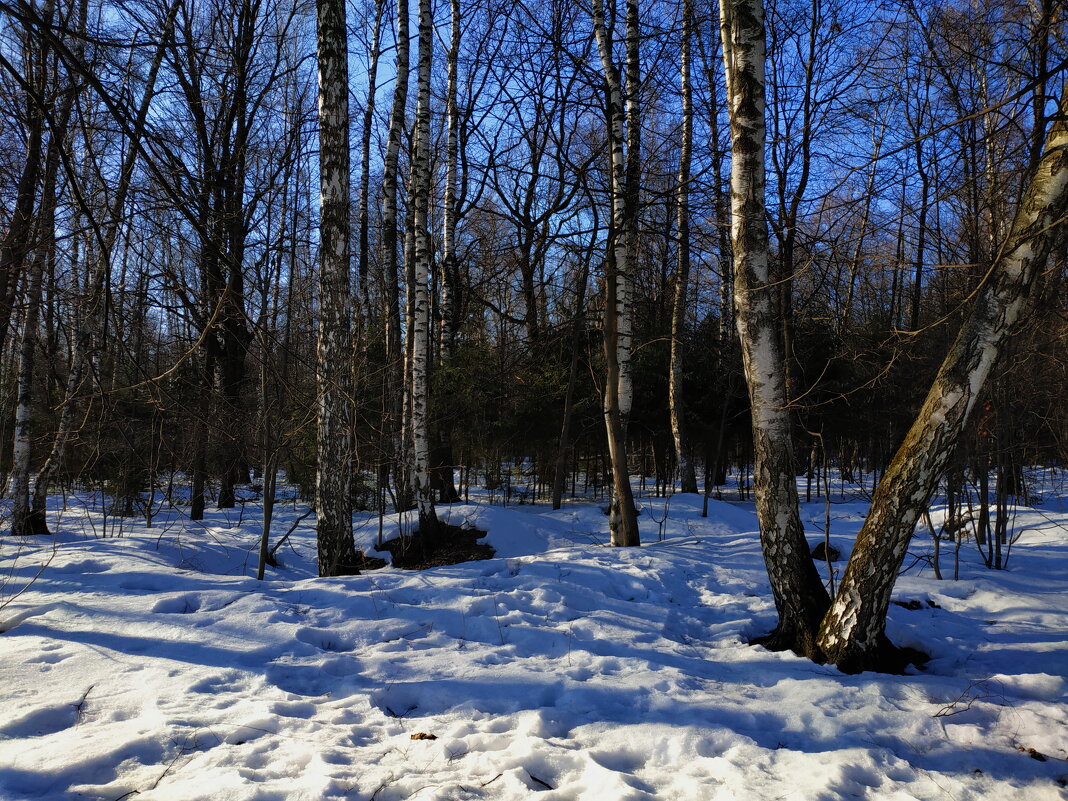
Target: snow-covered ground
[(152, 665)]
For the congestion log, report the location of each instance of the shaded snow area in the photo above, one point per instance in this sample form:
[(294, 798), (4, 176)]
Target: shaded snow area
[(152, 665)]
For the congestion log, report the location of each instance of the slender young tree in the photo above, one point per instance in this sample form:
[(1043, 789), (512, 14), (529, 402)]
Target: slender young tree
[(333, 501), (394, 369), (688, 477), (618, 391), (362, 215)]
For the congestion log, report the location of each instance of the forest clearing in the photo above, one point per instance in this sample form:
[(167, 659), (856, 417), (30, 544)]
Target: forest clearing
[(149, 663)]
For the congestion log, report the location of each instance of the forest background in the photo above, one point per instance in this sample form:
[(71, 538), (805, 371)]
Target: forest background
[(539, 233)]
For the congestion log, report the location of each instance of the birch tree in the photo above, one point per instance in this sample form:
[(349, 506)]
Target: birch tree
[(420, 330), (800, 597), (333, 503), (84, 320), (394, 383), (42, 90), (362, 215), (623, 519), (852, 635)]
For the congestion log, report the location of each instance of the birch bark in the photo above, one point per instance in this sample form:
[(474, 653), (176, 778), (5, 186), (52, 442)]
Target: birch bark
[(800, 597), (393, 402), (853, 633), (623, 521), (420, 333), (333, 503)]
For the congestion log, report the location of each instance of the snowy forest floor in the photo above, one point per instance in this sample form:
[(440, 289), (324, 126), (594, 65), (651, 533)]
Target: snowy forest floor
[(153, 665)]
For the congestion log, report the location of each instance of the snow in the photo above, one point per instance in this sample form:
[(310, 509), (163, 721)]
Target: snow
[(152, 665)]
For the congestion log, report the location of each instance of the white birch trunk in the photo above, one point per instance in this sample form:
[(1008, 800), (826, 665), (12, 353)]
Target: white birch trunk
[(420, 331), (333, 502), (362, 214), (799, 594), (449, 299), (623, 521), (393, 405), (21, 522), (853, 633)]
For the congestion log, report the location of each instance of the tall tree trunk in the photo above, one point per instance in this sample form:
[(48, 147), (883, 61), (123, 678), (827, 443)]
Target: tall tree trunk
[(17, 241), (630, 190), (420, 332), (921, 233), (623, 520), (687, 475), (23, 521), (333, 502), (393, 405), (444, 460), (852, 635), (800, 597), (450, 279)]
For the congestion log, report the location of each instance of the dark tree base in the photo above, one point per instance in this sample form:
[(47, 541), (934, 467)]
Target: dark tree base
[(888, 658), (361, 563), (449, 546), (33, 526)]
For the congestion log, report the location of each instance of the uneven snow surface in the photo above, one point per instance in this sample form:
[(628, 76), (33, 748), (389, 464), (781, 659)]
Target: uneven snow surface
[(151, 665)]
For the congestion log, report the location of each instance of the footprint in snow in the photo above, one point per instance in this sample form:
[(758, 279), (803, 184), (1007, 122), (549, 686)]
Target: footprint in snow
[(221, 683), (50, 657), (294, 709), (40, 722), (82, 567), (325, 640), (307, 680)]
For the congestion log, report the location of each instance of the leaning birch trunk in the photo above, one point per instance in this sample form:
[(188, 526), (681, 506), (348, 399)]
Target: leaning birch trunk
[(333, 504), (393, 403), (420, 332), (23, 519), (800, 597), (853, 633), (623, 520), (17, 241), (687, 475)]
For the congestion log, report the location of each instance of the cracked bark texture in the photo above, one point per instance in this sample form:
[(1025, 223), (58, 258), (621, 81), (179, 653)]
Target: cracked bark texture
[(800, 597), (853, 634), (333, 503)]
